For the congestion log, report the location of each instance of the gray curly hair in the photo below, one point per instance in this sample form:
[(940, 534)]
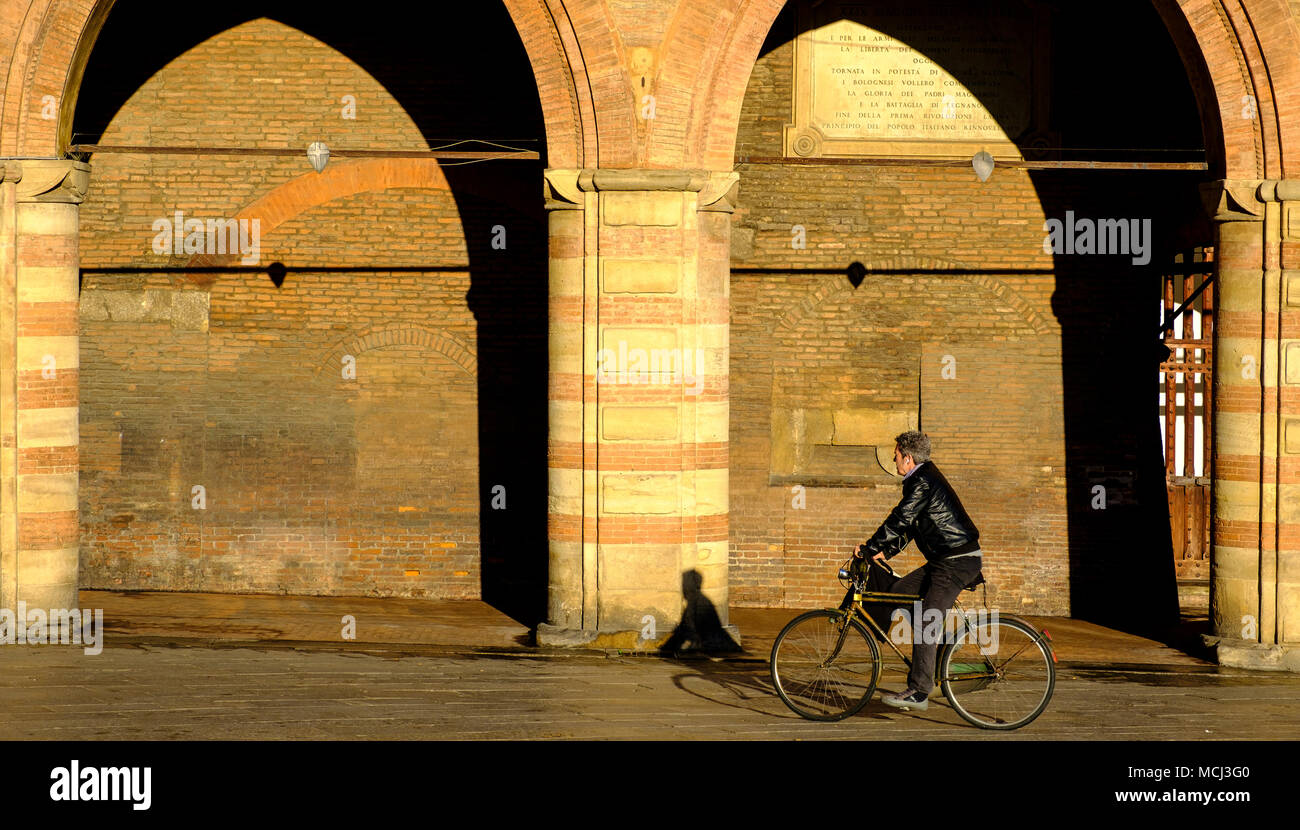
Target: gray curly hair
[(916, 444)]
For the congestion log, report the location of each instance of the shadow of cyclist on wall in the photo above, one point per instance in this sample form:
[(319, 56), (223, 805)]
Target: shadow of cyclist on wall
[(701, 628)]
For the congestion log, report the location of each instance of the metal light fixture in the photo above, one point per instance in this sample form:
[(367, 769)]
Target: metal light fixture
[(318, 154), (983, 164)]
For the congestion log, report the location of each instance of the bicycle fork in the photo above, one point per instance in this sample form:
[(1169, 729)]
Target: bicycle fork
[(845, 622)]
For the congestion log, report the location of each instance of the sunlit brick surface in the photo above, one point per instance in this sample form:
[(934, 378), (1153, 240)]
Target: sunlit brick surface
[(151, 376)]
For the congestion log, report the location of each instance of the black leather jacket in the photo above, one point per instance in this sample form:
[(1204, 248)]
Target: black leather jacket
[(931, 514)]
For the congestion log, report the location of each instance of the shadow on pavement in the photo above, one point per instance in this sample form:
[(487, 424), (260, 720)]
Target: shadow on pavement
[(701, 628), (737, 685)]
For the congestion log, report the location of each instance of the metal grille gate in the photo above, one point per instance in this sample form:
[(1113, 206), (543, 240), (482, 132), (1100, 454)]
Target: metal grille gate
[(1186, 384)]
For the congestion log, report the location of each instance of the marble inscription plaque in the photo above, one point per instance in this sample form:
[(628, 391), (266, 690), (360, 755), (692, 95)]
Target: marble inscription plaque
[(924, 79)]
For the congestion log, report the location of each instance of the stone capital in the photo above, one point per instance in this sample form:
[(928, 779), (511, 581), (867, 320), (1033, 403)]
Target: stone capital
[(564, 188), (47, 180), (720, 193), (1233, 200)]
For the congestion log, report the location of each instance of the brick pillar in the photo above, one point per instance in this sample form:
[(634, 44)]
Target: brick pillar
[(1255, 569), (639, 277), (38, 381)]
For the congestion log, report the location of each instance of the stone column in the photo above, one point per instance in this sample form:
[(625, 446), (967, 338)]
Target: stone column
[(39, 531), (1255, 566), (639, 280)]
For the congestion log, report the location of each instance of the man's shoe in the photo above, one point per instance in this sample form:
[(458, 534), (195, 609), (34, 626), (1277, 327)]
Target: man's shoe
[(907, 700)]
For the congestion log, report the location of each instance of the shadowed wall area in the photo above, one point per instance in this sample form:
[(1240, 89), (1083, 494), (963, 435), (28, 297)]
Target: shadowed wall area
[(1032, 373), (375, 422)]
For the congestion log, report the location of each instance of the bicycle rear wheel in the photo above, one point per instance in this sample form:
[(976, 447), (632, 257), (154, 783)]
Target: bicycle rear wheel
[(821, 670), (999, 674)]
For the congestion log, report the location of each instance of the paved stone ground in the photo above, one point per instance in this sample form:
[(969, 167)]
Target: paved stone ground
[(170, 692), (213, 618)]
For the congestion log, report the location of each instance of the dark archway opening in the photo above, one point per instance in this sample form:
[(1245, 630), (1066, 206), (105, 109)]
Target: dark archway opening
[(1135, 105), (418, 54)]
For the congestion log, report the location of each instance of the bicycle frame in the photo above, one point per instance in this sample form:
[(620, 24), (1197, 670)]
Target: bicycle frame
[(972, 657), (855, 610)]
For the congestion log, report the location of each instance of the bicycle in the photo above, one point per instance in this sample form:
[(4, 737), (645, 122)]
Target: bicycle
[(997, 672)]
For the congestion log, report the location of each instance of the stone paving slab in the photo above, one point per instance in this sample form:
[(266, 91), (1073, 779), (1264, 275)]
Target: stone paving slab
[(135, 692), (161, 617), (1074, 641), (261, 617)]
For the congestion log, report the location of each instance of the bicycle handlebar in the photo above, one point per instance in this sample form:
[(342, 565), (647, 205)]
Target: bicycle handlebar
[(844, 572)]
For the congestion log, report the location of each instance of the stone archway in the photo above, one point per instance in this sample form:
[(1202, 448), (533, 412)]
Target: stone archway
[(49, 557), (698, 60)]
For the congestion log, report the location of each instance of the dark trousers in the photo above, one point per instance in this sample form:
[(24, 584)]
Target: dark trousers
[(938, 583)]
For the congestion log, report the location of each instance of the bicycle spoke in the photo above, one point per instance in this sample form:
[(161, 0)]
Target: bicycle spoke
[(1014, 656), (814, 678), (1017, 693)]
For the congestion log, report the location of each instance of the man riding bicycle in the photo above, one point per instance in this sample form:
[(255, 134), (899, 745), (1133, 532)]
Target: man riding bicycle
[(931, 514)]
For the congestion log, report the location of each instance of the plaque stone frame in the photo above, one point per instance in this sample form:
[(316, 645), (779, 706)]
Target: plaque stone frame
[(810, 135)]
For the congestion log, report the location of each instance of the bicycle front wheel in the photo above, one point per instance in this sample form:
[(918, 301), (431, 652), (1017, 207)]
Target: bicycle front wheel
[(999, 674), (824, 665)]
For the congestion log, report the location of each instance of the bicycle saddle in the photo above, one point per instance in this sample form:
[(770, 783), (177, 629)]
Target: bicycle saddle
[(979, 580)]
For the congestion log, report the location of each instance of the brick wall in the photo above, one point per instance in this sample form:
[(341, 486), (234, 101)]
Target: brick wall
[(1053, 386), (195, 378), (200, 371)]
